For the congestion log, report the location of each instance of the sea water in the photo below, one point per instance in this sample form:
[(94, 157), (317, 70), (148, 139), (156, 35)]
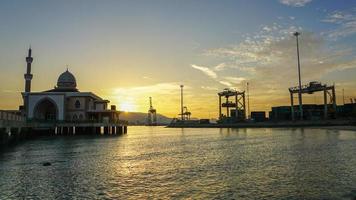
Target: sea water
[(167, 163)]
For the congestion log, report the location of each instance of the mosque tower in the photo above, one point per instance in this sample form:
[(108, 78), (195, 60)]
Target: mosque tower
[(28, 76)]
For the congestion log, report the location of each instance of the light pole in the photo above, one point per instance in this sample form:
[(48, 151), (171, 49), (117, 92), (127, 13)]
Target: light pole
[(181, 101), (248, 102), (296, 34)]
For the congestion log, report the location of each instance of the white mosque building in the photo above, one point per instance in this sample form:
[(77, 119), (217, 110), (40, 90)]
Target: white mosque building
[(65, 102)]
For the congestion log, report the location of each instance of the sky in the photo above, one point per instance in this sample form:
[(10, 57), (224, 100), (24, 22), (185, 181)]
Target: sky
[(127, 51)]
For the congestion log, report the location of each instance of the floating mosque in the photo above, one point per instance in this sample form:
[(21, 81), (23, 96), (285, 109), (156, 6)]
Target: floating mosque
[(64, 103)]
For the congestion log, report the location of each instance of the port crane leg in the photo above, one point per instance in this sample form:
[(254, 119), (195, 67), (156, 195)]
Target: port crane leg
[(237, 108), (334, 100), (219, 107), (292, 105), (244, 107), (227, 107), (325, 105)]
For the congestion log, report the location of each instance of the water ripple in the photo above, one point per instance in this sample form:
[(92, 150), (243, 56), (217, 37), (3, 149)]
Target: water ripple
[(161, 163)]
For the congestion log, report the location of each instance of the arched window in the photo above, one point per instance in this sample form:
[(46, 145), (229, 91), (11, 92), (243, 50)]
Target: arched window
[(77, 104), (80, 117), (75, 117)]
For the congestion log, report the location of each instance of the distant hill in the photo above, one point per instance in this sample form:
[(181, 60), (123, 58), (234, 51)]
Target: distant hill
[(141, 118)]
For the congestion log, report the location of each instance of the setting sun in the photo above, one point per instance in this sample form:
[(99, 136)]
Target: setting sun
[(127, 107)]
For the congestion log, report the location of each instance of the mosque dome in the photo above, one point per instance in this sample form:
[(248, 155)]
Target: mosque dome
[(66, 80)]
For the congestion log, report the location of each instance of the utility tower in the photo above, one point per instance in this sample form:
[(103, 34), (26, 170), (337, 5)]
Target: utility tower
[(181, 102), (151, 116), (248, 102)]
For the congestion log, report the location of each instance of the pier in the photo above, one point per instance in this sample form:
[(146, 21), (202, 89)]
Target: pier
[(14, 127)]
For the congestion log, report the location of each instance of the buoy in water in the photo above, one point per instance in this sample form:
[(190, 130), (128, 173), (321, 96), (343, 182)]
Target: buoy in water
[(46, 164)]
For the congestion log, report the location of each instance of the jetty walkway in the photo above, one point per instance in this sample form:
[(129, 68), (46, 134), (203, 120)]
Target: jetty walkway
[(14, 127)]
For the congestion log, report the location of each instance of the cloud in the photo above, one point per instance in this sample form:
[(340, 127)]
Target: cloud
[(159, 88), (209, 88), (226, 83), (345, 22), (295, 3), (147, 77), (266, 28), (267, 60), (220, 67), (236, 80), (206, 71)]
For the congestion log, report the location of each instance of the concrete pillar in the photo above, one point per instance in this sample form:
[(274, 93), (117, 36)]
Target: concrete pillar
[(29, 132), (78, 130), (3, 135), (65, 130), (14, 131), (97, 130), (92, 130), (8, 131), (106, 130), (86, 130), (119, 130)]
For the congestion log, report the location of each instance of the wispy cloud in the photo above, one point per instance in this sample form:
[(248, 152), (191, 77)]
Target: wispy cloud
[(159, 88), (226, 83), (209, 88), (223, 80), (235, 80), (220, 67), (147, 78), (346, 22), (295, 3), (206, 71)]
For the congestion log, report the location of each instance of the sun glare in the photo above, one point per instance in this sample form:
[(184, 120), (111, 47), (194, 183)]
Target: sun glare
[(127, 107)]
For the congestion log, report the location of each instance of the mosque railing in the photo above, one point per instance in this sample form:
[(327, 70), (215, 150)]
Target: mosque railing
[(10, 116), (90, 121)]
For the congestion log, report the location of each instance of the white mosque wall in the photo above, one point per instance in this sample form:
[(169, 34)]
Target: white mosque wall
[(100, 107), (57, 99), (71, 104)]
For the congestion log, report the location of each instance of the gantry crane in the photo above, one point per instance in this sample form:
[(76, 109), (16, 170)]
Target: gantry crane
[(186, 114), (151, 116), (238, 111), (316, 87)]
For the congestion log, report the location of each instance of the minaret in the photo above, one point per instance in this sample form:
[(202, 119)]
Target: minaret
[(28, 76)]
